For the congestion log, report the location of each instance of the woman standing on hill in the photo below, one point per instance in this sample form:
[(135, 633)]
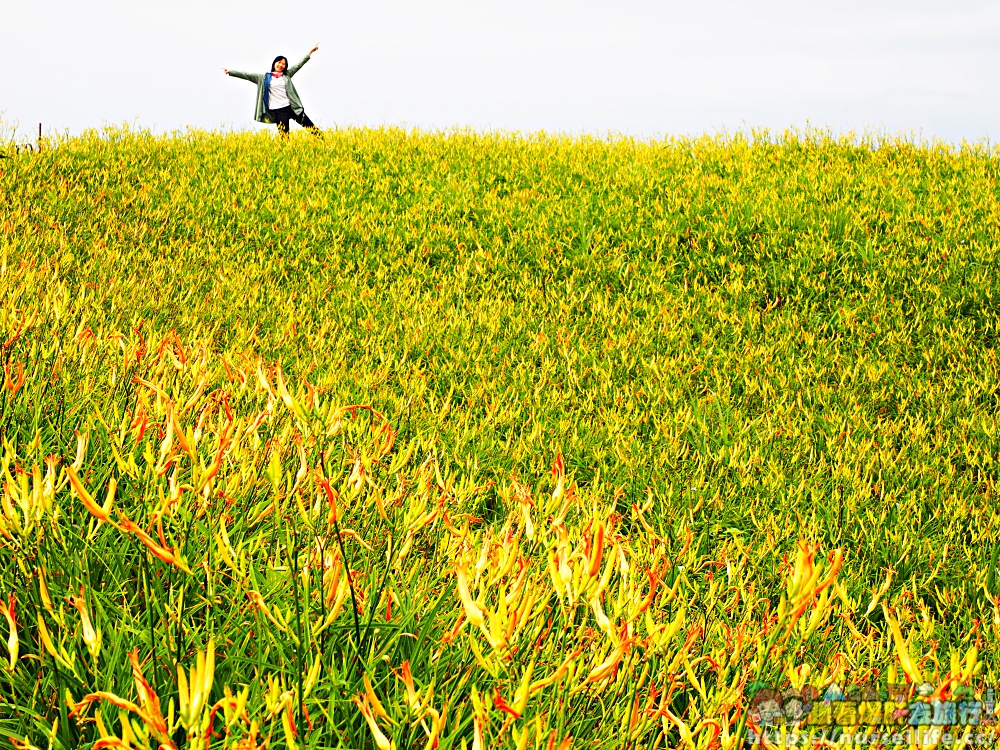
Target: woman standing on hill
[(277, 100)]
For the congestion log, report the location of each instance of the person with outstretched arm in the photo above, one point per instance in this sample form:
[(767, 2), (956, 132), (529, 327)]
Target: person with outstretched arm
[(278, 102)]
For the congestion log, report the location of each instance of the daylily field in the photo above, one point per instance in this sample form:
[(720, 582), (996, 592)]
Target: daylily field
[(418, 440)]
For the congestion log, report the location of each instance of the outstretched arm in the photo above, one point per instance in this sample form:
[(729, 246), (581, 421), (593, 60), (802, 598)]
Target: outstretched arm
[(295, 68), (252, 77)]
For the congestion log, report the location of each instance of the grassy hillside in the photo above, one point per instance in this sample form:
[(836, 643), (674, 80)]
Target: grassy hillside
[(477, 440)]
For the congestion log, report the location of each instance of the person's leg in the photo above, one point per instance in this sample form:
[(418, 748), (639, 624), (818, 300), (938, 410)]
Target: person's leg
[(304, 121), (281, 118)]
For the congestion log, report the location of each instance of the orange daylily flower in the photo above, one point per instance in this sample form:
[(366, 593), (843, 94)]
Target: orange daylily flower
[(805, 586), (13, 644), (152, 386), (110, 742), (411, 692), (373, 700), (437, 724), (544, 683), (139, 425), (910, 667), (163, 553), (43, 589), (500, 703), (85, 336), (381, 741), (151, 714), (648, 599), (596, 554), (477, 736), (259, 603), (213, 468), (82, 706), (472, 610), (91, 635), (609, 667), (14, 384), (351, 534), (179, 433), (331, 497), (101, 513)]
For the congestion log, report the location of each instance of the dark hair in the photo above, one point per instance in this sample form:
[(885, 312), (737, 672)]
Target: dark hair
[(279, 57)]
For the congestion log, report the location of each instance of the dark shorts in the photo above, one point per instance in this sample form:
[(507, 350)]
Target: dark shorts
[(283, 116)]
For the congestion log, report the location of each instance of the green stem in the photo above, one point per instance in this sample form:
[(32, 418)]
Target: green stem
[(772, 640), (293, 562), (350, 581), (381, 588)]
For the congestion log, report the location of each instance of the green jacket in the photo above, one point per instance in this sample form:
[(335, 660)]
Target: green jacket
[(260, 114)]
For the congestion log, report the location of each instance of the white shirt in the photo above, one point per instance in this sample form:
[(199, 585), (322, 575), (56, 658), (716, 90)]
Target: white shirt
[(277, 96)]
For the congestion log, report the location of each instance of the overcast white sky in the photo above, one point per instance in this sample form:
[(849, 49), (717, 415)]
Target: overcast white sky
[(925, 69)]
